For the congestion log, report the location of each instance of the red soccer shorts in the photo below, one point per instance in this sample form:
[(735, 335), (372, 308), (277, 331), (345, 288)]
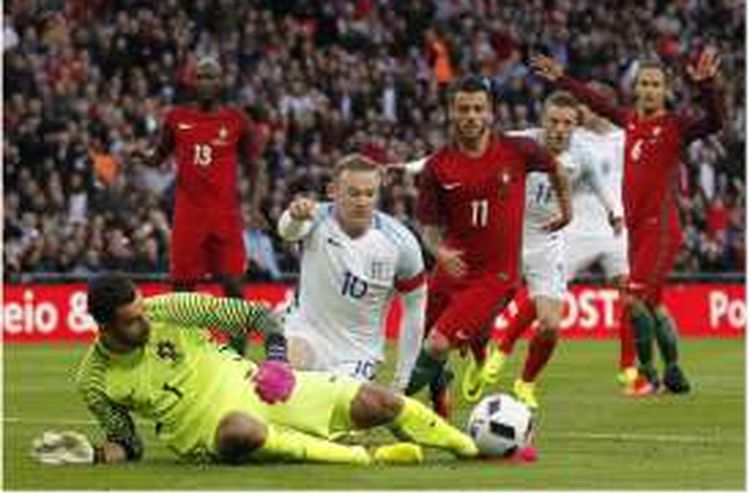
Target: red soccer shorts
[(203, 245), (462, 311), (651, 254)]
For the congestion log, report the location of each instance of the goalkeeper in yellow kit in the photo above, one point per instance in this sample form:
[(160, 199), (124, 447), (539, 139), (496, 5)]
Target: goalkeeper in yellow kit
[(155, 358)]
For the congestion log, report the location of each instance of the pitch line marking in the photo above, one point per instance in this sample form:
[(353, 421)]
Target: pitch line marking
[(592, 436)]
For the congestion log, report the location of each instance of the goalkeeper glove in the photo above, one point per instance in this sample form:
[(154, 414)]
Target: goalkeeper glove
[(274, 381), (65, 447)]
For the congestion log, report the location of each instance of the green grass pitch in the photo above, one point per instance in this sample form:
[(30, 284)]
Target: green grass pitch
[(589, 436)]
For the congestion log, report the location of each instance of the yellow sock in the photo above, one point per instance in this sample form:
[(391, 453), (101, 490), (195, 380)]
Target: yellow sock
[(418, 423), (290, 445)]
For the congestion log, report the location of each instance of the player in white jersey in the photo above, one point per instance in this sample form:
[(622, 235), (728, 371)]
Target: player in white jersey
[(544, 252), (354, 259)]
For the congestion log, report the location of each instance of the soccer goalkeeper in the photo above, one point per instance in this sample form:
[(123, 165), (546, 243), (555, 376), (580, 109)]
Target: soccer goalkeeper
[(154, 357)]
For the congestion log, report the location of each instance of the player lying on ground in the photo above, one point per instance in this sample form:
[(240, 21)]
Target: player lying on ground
[(155, 358), (471, 199), (543, 257), (655, 139), (354, 259)]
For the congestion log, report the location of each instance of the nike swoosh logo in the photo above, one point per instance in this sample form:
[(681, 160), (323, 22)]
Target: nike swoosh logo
[(452, 186), (184, 126), (333, 242)]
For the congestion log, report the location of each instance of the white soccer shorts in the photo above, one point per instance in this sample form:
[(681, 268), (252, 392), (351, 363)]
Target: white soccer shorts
[(583, 250), (544, 264), (321, 354)]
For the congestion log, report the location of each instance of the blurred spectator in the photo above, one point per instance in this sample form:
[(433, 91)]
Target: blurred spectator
[(86, 83), (262, 263)]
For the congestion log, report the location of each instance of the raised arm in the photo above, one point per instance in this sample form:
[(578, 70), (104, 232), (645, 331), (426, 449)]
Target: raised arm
[(298, 220), (552, 71), (230, 315), (703, 75)]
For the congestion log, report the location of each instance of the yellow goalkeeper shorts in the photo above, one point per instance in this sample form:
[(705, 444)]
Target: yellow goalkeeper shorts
[(320, 405)]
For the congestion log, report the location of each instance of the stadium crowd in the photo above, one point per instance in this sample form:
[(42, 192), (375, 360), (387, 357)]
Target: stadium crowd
[(87, 83)]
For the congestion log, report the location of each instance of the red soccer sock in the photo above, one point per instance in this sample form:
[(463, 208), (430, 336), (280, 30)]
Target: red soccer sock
[(540, 352), (627, 341), (523, 320)]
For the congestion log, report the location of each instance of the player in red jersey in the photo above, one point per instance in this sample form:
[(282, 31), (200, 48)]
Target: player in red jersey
[(208, 140), (655, 139), (471, 205)]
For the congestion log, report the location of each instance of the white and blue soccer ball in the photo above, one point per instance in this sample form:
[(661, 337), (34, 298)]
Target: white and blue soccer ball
[(500, 425)]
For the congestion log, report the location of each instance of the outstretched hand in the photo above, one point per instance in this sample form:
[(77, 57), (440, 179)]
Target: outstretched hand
[(546, 67), (274, 381), (706, 68)]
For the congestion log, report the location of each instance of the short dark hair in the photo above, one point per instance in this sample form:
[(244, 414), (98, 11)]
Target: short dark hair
[(561, 99), (355, 162), (107, 292), (651, 63), (474, 83)]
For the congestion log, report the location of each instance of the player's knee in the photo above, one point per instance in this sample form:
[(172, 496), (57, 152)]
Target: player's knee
[(548, 332), (437, 344), (374, 405), (238, 436)]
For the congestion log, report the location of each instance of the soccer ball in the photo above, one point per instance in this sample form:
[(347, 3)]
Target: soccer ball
[(499, 425)]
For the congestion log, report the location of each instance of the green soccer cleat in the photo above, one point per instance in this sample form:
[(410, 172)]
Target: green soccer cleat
[(472, 385), (524, 391), (627, 376), (493, 366)]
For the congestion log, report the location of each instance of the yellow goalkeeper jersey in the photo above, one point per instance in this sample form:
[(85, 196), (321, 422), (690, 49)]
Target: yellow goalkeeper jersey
[(173, 379)]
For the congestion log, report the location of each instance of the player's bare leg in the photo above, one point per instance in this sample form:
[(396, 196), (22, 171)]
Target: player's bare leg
[(408, 419), (430, 363), (233, 286), (541, 347), (521, 322)]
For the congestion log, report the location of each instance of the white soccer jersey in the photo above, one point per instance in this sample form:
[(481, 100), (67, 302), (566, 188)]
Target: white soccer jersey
[(541, 203), (607, 153), (346, 284)]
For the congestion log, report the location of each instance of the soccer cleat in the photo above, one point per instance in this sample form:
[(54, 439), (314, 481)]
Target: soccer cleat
[(524, 391), (627, 376), (399, 453), (649, 373), (640, 386), (493, 365), (472, 385), (464, 447), (440, 394), (675, 380)]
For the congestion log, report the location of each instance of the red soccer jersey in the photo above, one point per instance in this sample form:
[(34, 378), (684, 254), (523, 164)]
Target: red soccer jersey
[(206, 147), (653, 149), (480, 202)]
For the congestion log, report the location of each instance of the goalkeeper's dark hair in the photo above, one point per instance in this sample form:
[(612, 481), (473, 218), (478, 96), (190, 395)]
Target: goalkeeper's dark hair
[(474, 83), (107, 292)]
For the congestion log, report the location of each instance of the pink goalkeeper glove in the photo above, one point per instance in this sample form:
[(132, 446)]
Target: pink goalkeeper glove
[(274, 381)]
